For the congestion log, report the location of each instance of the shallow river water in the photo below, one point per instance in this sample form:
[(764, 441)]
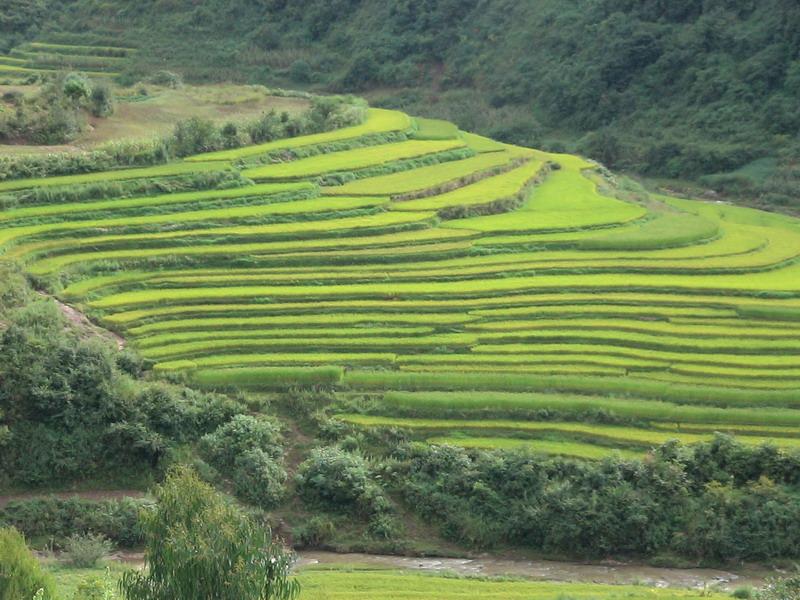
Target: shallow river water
[(545, 570)]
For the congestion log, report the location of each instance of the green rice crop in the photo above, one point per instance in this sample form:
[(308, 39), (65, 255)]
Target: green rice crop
[(350, 160), (471, 402), (168, 170), (378, 121), (488, 190), (425, 178), (556, 447), (279, 358), (268, 378), (434, 129), (488, 382)]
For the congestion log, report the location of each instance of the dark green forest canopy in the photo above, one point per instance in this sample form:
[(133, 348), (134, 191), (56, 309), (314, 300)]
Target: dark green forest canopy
[(667, 88)]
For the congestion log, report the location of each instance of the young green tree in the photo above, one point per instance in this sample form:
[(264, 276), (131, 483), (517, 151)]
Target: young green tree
[(21, 577), (200, 547)]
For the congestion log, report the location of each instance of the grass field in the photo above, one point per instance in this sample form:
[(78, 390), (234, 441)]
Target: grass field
[(354, 582), (466, 295)]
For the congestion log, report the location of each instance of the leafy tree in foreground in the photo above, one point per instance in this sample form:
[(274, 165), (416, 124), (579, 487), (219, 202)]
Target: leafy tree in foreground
[(199, 547), (21, 577)]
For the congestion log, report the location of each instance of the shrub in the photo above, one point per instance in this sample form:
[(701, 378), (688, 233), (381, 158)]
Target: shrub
[(167, 79), (259, 478), (316, 531), (338, 480), (199, 546), (95, 588), (101, 101), (84, 551), (21, 576), (240, 435), (781, 589)]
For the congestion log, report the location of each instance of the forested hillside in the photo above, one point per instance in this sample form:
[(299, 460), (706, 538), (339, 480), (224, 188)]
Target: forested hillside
[(688, 89)]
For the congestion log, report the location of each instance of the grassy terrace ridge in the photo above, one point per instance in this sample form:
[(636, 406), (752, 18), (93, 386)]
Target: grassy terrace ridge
[(447, 277), (378, 121)]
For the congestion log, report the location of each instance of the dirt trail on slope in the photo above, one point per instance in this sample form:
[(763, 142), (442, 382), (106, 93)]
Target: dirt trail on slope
[(81, 321)]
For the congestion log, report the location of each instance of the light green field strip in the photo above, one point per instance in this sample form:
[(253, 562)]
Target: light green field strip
[(587, 301), (322, 206), (434, 129), (483, 362), (608, 433), (565, 200), (791, 386), (488, 190), (426, 178), (292, 322), (651, 410), (637, 312), (580, 325), (787, 279), (10, 60), (376, 344), (266, 359), (561, 369), (252, 334), (77, 49), (161, 200), (762, 430), (302, 228), (765, 361), (168, 170), (483, 144), (272, 250), (375, 584), (620, 337), (666, 230), (350, 160), (378, 121), (554, 447)]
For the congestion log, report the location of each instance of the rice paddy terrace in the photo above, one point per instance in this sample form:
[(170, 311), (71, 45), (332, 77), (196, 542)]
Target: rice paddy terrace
[(476, 293), (42, 58)]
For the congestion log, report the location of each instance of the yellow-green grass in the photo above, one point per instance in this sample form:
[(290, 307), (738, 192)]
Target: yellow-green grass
[(612, 434), (354, 582), (212, 336), (347, 344), (279, 358), (294, 321), (267, 378), (589, 351), (491, 189), (465, 402), (516, 385), (483, 362), (350, 160), (378, 121), (783, 280), (663, 231), (157, 201), (278, 230), (483, 144), (434, 129), (321, 206), (426, 178), (565, 200), (555, 447), (167, 170)]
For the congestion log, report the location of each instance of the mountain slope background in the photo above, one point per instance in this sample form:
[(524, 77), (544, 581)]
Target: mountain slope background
[(704, 90)]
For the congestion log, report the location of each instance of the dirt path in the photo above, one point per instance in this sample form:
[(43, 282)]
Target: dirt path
[(81, 321), (96, 495)]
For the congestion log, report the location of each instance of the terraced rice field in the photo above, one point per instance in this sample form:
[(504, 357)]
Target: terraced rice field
[(482, 294), (42, 58)]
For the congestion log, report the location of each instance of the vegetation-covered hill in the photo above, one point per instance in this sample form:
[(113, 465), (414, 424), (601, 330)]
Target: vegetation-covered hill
[(678, 89)]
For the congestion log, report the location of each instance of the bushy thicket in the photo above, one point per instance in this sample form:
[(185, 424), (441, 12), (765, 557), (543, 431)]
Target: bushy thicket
[(249, 449), (716, 501), (56, 519), (69, 412)]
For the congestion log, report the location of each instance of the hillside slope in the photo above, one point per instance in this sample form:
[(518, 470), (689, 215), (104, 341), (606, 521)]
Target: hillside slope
[(670, 89)]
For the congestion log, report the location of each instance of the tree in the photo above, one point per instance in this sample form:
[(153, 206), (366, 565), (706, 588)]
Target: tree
[(21, 576), (199, 547), (781, 589)]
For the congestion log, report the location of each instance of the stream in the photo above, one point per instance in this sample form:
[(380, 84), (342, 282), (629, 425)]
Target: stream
[(545, 570)]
